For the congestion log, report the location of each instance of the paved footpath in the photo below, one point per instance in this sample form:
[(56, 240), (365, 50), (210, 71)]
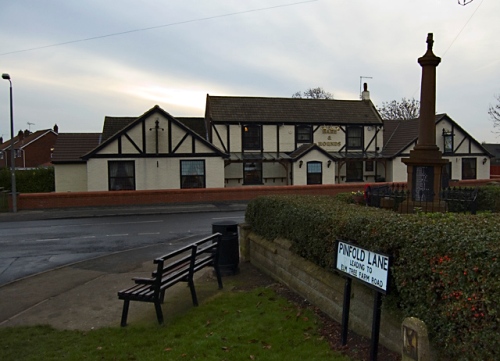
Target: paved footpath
[(83, 295)]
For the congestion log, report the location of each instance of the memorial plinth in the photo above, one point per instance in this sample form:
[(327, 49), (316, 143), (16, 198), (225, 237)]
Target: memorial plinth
[(425, 164)]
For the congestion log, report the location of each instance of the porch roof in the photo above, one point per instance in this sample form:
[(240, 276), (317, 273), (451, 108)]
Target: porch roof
[(265, 156)]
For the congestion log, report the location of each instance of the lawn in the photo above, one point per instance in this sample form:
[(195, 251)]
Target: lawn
[(250, 325)]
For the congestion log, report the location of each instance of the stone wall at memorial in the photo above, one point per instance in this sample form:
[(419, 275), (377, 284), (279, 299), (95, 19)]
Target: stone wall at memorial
[(323, 289)]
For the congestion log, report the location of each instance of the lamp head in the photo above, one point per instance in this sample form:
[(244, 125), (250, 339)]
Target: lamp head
[(5, 76)]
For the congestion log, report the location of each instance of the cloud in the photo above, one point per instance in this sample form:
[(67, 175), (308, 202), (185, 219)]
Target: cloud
[(276, 52)]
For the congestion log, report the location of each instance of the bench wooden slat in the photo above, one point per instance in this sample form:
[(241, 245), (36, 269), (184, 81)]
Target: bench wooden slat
[(174, 267)]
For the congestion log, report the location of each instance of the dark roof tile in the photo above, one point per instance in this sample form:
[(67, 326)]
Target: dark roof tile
[(113, 125), (195, 124), (70, 147), (291, 110)]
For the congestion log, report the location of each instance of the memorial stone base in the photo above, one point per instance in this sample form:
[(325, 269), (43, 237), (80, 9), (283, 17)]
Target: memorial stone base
[(427, 207)]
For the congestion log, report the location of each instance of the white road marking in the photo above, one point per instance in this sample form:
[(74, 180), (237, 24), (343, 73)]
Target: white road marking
[(147, 234), (117, 235), (103, 224)]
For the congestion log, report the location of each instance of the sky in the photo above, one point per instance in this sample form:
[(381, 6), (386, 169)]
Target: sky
[(74, 62)]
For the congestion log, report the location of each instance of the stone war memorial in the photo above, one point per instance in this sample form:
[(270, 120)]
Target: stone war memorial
[(425, 164)]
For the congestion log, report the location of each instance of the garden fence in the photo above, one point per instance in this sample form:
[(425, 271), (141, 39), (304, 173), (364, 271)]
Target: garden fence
[(454, 199)]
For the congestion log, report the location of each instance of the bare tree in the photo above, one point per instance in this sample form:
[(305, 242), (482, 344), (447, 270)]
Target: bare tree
[(313, 93), (406, 109), (494, 112)]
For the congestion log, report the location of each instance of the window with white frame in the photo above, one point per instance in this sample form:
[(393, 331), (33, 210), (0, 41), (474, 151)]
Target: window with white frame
[(252, 173), (193, 174), (354, 171), (469, 168), (314, 173), (303, 134), (252, 137), (121, 175), (448, 143), (354, 137), (369, 166)]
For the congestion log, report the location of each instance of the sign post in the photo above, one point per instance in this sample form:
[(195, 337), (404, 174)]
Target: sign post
[(370, 268)]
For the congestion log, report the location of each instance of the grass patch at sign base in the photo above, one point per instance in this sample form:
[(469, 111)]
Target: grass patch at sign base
[(255, 325)]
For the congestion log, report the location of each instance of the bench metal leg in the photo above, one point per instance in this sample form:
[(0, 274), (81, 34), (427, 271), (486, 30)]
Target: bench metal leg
[(125, 313), (159, 313), (193, 292)]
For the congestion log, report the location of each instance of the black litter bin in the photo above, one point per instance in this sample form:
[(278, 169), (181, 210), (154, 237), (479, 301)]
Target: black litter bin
[(229, 247)]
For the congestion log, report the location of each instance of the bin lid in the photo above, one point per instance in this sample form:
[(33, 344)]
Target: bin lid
[(225, 223)]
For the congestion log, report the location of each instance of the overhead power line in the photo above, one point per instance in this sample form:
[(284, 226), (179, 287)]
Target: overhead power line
[(157, 27)]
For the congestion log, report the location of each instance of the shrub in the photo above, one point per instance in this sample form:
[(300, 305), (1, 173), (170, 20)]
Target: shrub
[(445, 272), (488, 198), (37, 180)]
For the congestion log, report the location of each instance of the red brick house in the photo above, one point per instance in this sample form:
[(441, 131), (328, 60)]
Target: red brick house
[(31, 150)]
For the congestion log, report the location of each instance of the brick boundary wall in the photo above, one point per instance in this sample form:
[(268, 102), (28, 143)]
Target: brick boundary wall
[(148, 197), (29, 201)]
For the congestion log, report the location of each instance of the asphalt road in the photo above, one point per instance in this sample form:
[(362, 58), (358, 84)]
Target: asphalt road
[(30, 247)]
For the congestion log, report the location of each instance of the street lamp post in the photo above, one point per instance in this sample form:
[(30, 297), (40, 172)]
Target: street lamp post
[(12, 155)]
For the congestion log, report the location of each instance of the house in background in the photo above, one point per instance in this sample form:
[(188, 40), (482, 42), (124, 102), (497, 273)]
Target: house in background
[(257, 141), (290, 141), (70, 170), (153, 151), (31, 150), (468, 158), (494, 149)]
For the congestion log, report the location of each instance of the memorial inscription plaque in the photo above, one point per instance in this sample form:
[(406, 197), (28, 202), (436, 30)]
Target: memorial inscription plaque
[(423, 183)]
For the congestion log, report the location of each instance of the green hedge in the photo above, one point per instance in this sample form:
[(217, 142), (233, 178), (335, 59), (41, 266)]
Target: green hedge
[(446, 269), (38, 180), (488, 198)]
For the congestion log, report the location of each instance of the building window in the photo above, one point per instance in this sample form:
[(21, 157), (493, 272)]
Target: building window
[(252, 137), (369, 166), (446, 175), (354, 171), (121, 175), (314, 173), (252, 173), (448, 143), (469, 168), (17, 153), (354, 138), (1, 155), (192, 174), (303, 134)]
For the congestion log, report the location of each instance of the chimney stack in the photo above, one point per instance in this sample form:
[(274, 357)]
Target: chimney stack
[(365, 95)]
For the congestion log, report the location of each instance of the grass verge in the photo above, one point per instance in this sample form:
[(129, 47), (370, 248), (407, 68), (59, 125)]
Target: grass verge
[(253, 325)]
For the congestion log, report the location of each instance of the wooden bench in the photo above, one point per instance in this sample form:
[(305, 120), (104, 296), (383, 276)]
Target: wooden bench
[(172, 268)]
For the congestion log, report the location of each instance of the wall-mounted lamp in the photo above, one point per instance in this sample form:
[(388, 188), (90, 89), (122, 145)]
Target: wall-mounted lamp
[(300, 163), (329, 163), (485, 160)]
